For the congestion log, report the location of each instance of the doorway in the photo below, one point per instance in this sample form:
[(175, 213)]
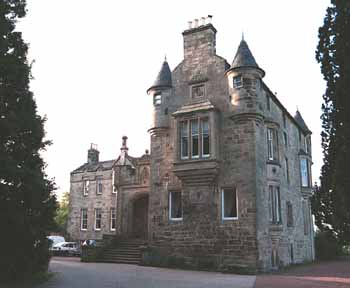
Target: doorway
[(140, 217)]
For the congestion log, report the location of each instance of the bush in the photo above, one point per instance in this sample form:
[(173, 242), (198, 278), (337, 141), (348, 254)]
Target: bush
[(327, 246)]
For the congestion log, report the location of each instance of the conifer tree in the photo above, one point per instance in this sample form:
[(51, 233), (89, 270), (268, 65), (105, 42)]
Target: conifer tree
[(27, 202), (331, 201)]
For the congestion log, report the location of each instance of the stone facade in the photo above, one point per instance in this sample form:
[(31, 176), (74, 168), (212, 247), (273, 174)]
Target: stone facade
[(228, 178)]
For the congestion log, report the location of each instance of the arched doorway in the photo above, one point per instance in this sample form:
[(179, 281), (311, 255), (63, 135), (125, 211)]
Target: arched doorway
[(140, 217)]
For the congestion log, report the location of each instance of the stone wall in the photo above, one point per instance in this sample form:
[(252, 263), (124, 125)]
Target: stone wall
[(93, 200)]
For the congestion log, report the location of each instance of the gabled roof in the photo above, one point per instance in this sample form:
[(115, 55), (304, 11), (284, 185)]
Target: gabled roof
[(164, 77), (301, 122), (92, 167)]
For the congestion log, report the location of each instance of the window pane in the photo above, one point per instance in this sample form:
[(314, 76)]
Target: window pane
[(271, 204), (175, 205), (98, 216), (195, 138), (184, 139), (157, 99), (304, 172), (113, 218), (84, 219), (205, 138), (270, 143), (237, 82), (278, 204), (229, 203)]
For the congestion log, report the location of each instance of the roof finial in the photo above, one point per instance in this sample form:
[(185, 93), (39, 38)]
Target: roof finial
[(242, 35), (165, 58), (297, 108)]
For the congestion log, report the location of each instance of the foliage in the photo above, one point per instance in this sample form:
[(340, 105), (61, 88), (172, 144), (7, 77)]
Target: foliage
[(27, 202), (62, 214), (331, 199), (327, 246)]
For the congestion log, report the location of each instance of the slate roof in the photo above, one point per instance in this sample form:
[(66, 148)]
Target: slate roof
[(164, 77), (244, 58), (301, 122), (92, 167)]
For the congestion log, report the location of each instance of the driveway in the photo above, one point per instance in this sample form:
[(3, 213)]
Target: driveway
[(70, 272), (317, 275)]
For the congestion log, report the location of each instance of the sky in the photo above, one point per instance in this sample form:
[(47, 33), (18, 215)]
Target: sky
[(94, 61)]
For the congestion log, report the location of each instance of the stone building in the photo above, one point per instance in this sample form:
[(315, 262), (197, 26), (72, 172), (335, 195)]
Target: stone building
[(228, 179)]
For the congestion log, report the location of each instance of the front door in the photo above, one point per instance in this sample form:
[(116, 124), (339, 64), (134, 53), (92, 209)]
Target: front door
[(140, 218)]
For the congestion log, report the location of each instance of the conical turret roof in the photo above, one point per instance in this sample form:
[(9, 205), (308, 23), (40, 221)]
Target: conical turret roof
[(244, 57), (301, 122), (164, 77)]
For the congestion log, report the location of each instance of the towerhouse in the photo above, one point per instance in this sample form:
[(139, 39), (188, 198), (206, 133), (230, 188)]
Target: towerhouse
[(228, 177)]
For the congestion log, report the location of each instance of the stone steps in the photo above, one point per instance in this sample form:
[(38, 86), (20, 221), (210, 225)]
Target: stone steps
[(125, 251)]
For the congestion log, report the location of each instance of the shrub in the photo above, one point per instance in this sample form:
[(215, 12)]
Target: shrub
[(327, 246)]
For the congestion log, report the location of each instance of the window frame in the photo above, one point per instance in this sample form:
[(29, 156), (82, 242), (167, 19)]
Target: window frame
[(100, 219), (290, 216), (275, 204), (86, 185), (98, 185), (272, 144), (287, 170), (82, 210), (302, 174), (113, 219), (171, 206), (190, 138), (157, 98), (223, 217), (240, 82)]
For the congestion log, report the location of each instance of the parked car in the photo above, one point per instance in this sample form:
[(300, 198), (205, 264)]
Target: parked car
[(66, 249), (55, 239)]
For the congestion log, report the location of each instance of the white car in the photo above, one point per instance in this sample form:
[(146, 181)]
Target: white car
[(66, 248), (55, 239)]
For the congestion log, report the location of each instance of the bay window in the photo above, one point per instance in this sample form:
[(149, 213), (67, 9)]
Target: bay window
[(194, 138)]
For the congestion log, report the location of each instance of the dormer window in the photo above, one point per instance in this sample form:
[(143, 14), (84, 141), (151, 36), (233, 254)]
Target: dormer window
[(157, 99), (237, 82)]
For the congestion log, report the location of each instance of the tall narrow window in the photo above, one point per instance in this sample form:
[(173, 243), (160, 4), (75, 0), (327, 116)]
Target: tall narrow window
[(157, 99), (98, 218), (287, 170), (195, 138), (184, 139), (86, 185), (113, 219), (237, 81), (290, 221), (285, 139), (175, 206), (306, 216), (284, 120), (83, 219), (205, 138), (268, 105), (272, 144), (275, 204), (229, 203), (99, 186), (304, 170)]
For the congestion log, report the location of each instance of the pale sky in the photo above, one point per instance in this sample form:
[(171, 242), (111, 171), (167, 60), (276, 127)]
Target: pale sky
[(94, 61)]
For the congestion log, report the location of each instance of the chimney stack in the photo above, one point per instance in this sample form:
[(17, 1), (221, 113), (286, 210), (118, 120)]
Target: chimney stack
[(93, 154)]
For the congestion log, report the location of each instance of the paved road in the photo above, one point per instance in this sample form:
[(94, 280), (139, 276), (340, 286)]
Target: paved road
[(70, 272), (317, 275)]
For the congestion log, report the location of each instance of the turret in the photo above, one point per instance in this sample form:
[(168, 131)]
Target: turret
[(160, 92), (93, 154), (244, 80)]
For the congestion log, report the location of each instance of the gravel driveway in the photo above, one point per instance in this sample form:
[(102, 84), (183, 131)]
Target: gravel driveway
[(70, 272)]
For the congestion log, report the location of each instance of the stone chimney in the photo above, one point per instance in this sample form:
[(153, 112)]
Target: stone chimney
[(93, 154), (199, 38)]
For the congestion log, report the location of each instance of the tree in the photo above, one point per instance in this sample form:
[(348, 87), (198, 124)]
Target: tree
[(27, 201), (62, 214), (331, 201)]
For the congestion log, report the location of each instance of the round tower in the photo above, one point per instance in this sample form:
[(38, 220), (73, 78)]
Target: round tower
[(244, 80), (160, 92)]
